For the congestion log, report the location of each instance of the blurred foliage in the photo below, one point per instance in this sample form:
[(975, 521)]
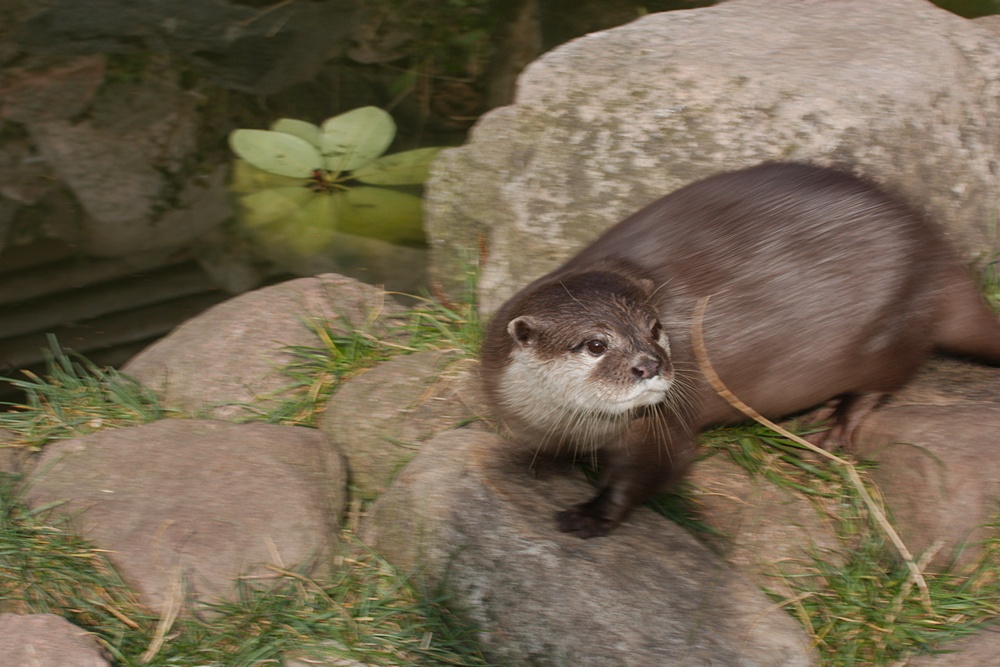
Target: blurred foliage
[(970, 8), (302, 185)]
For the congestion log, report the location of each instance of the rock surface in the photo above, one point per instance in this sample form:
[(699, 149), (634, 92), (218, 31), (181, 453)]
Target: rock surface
[(404, 401), (466, 516), (226, 362), (186, 507), (979, 650), (127, 159), (605, 124), (940, 486), (936, 466), (46, 640), (762, 529)]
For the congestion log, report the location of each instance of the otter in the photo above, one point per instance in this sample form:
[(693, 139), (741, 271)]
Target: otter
[(822, 286)]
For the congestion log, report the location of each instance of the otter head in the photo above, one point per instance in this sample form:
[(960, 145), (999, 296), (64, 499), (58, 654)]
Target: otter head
[(584, 348)]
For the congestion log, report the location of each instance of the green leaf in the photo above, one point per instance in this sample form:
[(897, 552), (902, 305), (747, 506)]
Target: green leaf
[(314, 227), (355, 138), (247, 178), (392, 216), (267, 206), (294, 219), (407, 168), (298, 128), (276, 152)]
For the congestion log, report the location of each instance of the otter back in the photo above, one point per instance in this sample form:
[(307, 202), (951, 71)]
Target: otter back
[(821, 285)]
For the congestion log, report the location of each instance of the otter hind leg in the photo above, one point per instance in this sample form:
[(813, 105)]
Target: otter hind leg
[(847, 416)]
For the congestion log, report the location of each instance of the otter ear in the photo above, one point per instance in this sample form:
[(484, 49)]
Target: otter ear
[(646, 285), (524, 330)]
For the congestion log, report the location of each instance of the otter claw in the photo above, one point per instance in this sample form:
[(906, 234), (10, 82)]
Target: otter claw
[(584, 522)]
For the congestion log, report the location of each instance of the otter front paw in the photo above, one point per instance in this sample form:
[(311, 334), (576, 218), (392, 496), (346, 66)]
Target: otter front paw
[(586, 520)]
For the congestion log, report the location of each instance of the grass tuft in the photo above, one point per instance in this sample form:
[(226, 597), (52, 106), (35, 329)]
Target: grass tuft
[(860, 606), (365, 611), (987, 270), (865, 611), (46, 568), (74, 397), (315, 372)]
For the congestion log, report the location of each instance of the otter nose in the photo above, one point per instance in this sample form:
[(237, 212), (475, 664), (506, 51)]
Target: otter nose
[(645, 368)]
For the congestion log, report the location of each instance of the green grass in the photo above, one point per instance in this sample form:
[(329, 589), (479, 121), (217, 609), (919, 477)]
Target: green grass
[(859, 606), (365, 611), (74, 398), (315, 372), (865, 611), (44, 568), (989, 282)]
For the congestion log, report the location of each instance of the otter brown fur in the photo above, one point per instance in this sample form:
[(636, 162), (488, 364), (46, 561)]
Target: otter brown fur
[(822, 285)]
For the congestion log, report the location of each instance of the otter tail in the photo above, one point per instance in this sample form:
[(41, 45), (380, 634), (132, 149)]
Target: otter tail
[(966, 325)]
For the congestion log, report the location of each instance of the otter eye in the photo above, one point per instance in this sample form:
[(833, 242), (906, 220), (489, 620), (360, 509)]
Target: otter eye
[(655, 330), (596, 347)]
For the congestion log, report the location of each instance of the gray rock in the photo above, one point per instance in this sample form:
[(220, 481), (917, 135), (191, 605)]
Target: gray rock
[(937, 472), (605, 124), (379, 418), (469, 518), (935, 447), (979, 650), (230, 356), (51, 87), (947, 381), (989, 22), (24, 179), (192, 505), (126, 164), (324, 654), (46, 640)]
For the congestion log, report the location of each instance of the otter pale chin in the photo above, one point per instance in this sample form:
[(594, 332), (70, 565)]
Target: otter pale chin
[(822, 286)]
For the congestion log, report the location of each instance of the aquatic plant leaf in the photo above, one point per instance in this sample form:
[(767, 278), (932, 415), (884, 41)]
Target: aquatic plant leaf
[(298, 128), (406, 168), (276, 152), (292, 219), (293, 239), (392, 216), (274, 204), (247, 178), (355, 138), (314, 226)]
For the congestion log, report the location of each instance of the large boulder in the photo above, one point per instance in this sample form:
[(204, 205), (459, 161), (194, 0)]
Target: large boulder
[(129, 161), (900, 90), (468, 517), (227, 362), (47, 640), (186, 507), (379, 418)]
